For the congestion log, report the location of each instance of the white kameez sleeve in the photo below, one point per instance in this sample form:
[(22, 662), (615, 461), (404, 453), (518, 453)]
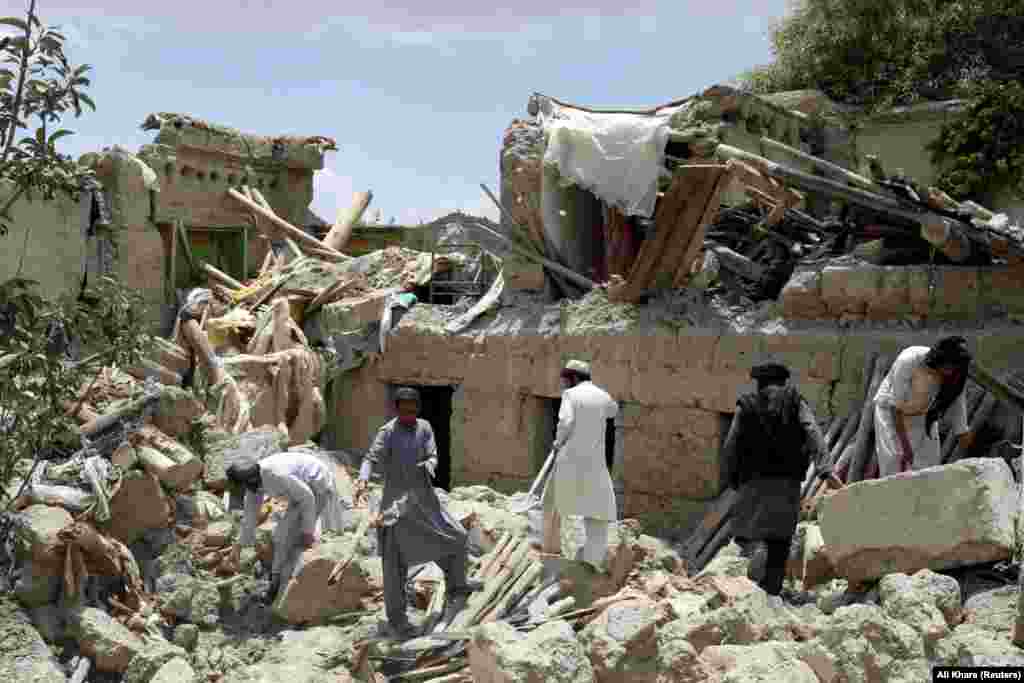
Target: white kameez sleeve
[(299, 494), (253, 503), (900, 379), (566, 421)]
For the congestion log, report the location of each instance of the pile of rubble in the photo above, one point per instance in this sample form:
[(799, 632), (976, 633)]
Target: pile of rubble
[(872, 607), (120, 549)]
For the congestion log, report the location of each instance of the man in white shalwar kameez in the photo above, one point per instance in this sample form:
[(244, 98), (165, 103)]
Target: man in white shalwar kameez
[(923, 386), (580, 483), (308, 484)]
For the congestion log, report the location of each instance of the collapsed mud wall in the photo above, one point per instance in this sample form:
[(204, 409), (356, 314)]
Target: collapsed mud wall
[(677, 391)]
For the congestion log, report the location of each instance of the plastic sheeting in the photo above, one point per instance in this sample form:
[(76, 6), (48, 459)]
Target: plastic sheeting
[(618, 157)]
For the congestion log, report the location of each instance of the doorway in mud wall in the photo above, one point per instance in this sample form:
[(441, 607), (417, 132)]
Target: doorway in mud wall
[(436, 408), (551, 429)]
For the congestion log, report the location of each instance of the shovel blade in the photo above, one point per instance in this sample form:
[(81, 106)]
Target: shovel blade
[(527, 503)]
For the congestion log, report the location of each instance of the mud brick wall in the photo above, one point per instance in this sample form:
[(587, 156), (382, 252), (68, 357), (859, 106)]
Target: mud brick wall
[(914, 293), (677, 392)]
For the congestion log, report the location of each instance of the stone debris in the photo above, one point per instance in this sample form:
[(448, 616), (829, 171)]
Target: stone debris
[(118, 552), (936, 518)]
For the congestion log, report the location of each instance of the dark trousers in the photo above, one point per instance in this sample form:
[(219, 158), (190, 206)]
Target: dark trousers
[(767, 562), (776, 554), (396, 575)]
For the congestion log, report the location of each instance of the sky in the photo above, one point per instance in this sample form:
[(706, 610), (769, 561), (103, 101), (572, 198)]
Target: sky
[(417, 100)]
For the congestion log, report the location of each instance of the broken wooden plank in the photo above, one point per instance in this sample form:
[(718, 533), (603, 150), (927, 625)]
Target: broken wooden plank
[(284, 226), (221, 277), (539, 249), (686, 223), (716, 515), (981, 416), (860, 446), (557, 268), (652, 249), (179, 227), (478, 601), (1002, 389), (683, 272), (340, 233), (717, 542), (828, 167)]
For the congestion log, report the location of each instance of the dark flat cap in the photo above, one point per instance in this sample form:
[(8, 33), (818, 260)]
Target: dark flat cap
[(770, 371), (406, 394)]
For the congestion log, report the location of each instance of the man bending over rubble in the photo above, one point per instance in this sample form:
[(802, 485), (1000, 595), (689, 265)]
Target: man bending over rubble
[(765, 458), (308, 485), (406, 454), (923, 386), (581, 484)]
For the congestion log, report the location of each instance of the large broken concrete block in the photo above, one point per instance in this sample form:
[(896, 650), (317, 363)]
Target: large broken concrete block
[(306, 599), (500, 654), (936, 518), (139, 505), (26, 658)]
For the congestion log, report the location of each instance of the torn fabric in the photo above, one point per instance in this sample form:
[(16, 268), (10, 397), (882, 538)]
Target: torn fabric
[(618, 157)]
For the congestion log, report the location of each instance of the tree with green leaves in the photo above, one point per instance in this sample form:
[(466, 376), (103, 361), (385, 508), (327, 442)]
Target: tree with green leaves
[(39, 379), (880, 53), (876, 54), (38, 85)]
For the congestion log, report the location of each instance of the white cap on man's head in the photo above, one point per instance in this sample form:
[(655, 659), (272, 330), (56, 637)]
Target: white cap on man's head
[(578, 366)]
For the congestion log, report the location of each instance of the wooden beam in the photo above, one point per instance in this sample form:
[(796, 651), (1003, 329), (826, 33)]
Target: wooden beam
[(826, 166), (284, 226), (179, 226), (340, 233)]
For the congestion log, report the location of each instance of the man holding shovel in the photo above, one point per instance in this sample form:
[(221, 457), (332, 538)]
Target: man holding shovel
[(405, 452), (581, 484)]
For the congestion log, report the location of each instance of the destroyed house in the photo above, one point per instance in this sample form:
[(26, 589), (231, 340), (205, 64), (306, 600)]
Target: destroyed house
[(169, 210), (759, 244)]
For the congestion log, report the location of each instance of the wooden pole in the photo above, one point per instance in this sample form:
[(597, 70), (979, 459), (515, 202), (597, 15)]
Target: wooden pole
[(186, 244), (284, 226), (866, 429), (172, 274), (826, 166), (338, 236), (221, 277), (831, 188), (557, 268)]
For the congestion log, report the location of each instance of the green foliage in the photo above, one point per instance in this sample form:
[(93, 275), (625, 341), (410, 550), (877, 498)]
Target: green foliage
[(880, 53), (982, 151), (37, 82), (37, 381)]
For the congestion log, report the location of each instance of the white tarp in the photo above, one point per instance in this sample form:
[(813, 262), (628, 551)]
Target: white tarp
[(618, 157)]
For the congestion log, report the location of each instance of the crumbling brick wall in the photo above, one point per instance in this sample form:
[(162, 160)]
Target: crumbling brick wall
[(677, 392)]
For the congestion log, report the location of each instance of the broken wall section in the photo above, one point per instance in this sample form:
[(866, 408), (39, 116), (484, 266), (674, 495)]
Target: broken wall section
[(677, 391)]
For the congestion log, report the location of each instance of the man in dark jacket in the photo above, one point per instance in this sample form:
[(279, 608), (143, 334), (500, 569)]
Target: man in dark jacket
[(766, 456)]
